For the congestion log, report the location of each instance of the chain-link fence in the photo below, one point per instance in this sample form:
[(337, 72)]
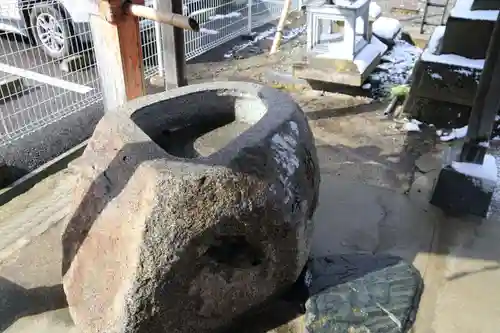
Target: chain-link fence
[(47, 66)]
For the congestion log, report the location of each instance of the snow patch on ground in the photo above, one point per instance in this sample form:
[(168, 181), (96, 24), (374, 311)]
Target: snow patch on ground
[(456, 133), (412, 126), (395, 68), (288, 34), (221, 17), (487, 170), (208, 31)]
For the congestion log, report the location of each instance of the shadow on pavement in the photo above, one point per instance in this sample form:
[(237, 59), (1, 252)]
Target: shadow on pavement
[(17, 302)]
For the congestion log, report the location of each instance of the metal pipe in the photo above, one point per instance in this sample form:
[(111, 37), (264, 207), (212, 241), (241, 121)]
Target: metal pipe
[(176, 20)]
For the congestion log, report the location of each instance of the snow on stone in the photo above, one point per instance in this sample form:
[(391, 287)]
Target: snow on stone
[(208, 31), (366, 86), (462, 9), (448, 59), (412, 126), (221, 17), (375, 11), (463, 71), (456, 133), (386, 27), (396, 67), (288, 34), (486, 171), (368, 53), (436, 76), (284, 146)]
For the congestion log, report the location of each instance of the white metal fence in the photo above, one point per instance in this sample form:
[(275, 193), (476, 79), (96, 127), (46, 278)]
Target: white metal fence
[(47, 67)]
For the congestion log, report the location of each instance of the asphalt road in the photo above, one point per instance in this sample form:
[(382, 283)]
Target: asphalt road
[(56, 119), (66, 117)]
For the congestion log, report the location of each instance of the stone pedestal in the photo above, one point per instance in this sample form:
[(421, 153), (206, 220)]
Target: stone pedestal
[(445, 78), (464, 188), (177, 228)]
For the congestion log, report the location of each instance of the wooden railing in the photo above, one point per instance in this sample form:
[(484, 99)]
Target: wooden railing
[(118, 51)]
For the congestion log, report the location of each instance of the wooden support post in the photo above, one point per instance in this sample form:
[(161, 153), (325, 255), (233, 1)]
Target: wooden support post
[(174, 56), (118, 50), (486, 104)]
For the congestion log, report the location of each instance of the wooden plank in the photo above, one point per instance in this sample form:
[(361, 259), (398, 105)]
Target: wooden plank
[(119, 54), (173, 54)]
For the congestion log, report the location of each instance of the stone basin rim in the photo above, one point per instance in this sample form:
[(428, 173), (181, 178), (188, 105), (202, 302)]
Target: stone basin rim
[(278, 108)]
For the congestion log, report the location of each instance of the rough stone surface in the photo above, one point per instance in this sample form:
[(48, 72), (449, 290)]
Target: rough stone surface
[(441, 114), (442, 82), (361, 293), (164, 239)]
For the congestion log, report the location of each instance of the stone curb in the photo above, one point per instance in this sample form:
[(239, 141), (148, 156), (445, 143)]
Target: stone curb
[(23, 184)]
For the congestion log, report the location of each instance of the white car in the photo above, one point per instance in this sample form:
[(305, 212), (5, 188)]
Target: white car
[(60, 27)]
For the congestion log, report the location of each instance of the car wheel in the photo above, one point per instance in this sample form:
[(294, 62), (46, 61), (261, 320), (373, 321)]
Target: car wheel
[(51, 30)]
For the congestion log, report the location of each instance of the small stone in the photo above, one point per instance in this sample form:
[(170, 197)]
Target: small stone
[(375, 291)]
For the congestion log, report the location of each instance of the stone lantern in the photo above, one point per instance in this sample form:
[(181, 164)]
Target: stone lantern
[(322, 20), (338, 32)]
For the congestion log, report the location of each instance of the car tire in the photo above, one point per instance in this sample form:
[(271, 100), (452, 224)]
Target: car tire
[(51, 30)]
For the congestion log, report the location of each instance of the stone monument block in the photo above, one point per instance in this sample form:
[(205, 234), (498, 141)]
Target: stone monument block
[(455, 40), (191, 207), (485, 5), (446, 82)]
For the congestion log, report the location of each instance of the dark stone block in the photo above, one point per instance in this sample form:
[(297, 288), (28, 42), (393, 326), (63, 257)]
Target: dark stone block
[(442, 94), (458, 194), (486, 5), (361, 293), (444, 82), (444, 115), (467, 38)]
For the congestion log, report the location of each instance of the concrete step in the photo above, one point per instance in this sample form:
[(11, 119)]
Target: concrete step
[(464, 21)]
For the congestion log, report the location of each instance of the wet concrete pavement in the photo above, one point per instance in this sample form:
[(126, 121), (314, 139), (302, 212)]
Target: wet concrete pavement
[(366, 205)]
